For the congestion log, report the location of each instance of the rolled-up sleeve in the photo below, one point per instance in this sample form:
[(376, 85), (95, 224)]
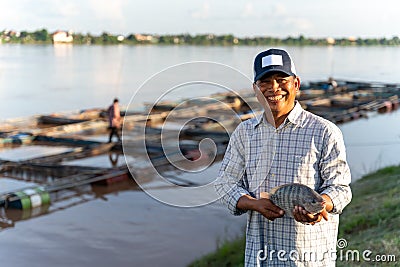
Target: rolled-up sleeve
[(335, 171), (229, 184)]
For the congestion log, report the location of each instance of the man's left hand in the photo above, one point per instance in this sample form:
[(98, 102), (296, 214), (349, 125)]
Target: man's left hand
[(303, 216)]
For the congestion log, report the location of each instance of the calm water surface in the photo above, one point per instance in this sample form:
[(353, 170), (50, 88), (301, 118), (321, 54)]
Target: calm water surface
[(122, 226)]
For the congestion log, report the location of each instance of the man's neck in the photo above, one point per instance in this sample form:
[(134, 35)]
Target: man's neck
[(279, 118), (275, 119)]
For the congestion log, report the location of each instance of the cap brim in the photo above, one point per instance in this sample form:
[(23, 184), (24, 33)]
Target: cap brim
[(260, 75)]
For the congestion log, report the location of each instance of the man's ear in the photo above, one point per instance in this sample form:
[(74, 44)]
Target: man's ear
[(297, 83)]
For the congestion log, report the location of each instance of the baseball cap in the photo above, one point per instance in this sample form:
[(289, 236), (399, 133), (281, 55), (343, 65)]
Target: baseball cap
[(273, 60)]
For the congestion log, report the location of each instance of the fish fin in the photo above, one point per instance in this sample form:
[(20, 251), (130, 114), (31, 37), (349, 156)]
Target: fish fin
[(273, 190), (265, 195)]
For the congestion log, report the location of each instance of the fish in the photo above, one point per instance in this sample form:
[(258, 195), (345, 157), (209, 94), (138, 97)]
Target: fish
[(294, 194)]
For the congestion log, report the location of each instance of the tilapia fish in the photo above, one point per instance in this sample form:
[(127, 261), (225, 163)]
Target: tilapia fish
[(289, 195)]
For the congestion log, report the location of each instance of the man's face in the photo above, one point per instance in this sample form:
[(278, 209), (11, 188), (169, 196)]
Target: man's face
[(280, 91)]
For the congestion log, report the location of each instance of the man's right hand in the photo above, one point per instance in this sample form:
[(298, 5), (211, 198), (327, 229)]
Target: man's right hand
[(263, 205), (268, 209)]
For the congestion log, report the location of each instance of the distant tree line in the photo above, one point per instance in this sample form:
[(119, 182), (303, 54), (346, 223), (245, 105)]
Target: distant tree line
[(44, 37)]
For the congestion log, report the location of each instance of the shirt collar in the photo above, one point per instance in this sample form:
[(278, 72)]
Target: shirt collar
[(294, 116)]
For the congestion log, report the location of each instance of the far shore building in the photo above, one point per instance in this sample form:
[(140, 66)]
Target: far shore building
[(62, 37), (330, 41), (143, 37)]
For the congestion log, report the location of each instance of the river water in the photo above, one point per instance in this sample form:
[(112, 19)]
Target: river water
[(122, 226)]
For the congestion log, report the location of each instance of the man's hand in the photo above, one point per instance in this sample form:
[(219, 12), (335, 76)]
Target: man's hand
[(263, 205), (303, 216), (268, 209)]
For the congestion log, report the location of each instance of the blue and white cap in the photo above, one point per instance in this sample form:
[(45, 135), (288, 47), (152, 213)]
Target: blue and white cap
[(273, 60)]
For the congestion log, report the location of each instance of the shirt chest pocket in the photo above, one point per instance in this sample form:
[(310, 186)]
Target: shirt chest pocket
[(306, 166)]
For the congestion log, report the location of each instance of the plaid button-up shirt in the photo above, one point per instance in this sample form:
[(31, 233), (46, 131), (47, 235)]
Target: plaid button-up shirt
[(305, 149)]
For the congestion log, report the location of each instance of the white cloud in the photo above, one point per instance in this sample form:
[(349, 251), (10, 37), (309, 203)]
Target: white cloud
[(68, 9), (279, 10), (248, 10), (242, 17), (203, 13), (109, 10), (299, 24)]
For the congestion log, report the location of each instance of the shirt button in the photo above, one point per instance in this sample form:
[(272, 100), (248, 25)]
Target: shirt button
[(273, 175)]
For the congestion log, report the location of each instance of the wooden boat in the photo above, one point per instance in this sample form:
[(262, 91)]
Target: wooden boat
[(220, 136), (385, 106), (116, 176), (57, 120), (65, 118), (66, 141)]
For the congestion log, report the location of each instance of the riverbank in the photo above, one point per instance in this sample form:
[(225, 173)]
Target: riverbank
[(369, 223), (43, 36)]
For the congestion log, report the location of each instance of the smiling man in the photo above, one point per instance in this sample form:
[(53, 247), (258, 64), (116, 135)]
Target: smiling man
[(285, 144)]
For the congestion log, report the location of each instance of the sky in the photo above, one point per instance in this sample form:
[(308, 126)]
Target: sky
[(243, 18)]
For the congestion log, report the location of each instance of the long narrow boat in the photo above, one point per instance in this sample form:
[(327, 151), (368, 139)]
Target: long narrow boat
[(58, 120)]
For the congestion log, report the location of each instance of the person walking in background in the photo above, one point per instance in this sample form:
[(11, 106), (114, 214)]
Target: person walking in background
[(284, 145), (114, 120)]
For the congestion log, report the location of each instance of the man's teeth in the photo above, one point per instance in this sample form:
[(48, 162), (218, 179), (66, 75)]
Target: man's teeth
[(275, 98)]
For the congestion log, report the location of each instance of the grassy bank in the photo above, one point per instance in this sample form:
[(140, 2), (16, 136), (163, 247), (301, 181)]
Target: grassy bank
[(370, 222)]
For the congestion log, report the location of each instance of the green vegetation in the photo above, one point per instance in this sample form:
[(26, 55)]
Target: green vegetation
[(229, 254), (42, 36), (370, 222)]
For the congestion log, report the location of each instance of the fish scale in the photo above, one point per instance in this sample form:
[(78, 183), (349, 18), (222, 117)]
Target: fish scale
[(289, 195)]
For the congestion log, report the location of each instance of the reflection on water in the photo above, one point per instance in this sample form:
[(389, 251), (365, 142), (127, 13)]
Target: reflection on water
[(10, 185), (76, 77), (112, 159), (10, 217), (30, 152), (372, 143), (61, 200), (132, 228)]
